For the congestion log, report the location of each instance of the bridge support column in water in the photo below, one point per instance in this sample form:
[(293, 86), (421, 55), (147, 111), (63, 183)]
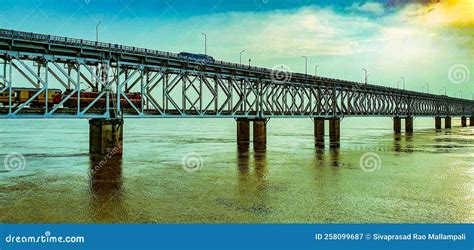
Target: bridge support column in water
[(463, 121), (334, 132), (106, 136), (260, 134), (397, 124), (319, 132), (409, 124), (447, 122), (438, 122), (243, 132)]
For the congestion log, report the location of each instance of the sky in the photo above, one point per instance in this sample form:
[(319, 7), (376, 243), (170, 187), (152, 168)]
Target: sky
[(429, 43)]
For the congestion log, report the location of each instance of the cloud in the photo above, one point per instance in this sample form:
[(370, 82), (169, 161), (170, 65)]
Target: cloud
[(454, 13), (369, 7)]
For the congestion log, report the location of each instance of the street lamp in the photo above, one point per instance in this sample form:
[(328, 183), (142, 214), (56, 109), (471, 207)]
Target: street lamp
[(249, 62), (460, 93), (444, 90), (241, 55), (398, 84), (97, 32), (403, 81), (316, 70), (205, 42), (427, 87), (306, 64), (365, 75)]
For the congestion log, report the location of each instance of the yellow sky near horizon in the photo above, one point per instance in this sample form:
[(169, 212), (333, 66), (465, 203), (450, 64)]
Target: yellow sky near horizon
[(455, 13)]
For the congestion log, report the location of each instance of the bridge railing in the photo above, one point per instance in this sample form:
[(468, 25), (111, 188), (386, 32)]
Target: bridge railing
[(128, 49)]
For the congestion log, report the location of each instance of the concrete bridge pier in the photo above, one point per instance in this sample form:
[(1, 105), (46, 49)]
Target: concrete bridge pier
[(409, 124), (260, 134), (334, 132), (438, 122), (106, 136), (243, 132), (319, 132), (447, 122), (397, 124), (463, 121)]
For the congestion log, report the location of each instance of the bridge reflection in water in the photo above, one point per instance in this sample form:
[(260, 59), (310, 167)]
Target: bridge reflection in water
[(106, 188)]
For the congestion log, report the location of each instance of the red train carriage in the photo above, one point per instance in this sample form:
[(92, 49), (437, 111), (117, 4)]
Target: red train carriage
[(87, 98)]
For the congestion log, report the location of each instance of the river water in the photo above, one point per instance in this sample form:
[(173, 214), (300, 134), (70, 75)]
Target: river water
[(190, 171)]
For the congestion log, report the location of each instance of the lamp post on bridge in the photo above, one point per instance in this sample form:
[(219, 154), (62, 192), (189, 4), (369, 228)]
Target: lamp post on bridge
[(444, 90), (205, 42), (366, 75), (316, 70), (249, 62), (241, 52), (427, 87), (460, 92), (403, 81), (97, 31), (306, 65)]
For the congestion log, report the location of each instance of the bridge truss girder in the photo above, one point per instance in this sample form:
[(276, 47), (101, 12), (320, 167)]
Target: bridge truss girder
[(175, 92)]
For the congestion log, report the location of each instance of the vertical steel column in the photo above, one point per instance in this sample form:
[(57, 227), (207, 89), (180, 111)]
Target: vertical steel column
[(78, 87), (46, 96), (319, 132), (10, 82), (471, 120), (118, 87)]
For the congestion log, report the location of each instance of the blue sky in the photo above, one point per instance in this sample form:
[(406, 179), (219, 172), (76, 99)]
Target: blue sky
[(421, 42)]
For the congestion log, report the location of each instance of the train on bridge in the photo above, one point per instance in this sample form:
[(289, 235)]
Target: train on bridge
[(55, 97)]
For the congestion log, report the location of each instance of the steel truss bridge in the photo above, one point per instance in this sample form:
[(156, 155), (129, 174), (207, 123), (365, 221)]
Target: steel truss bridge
[(171, 86)]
